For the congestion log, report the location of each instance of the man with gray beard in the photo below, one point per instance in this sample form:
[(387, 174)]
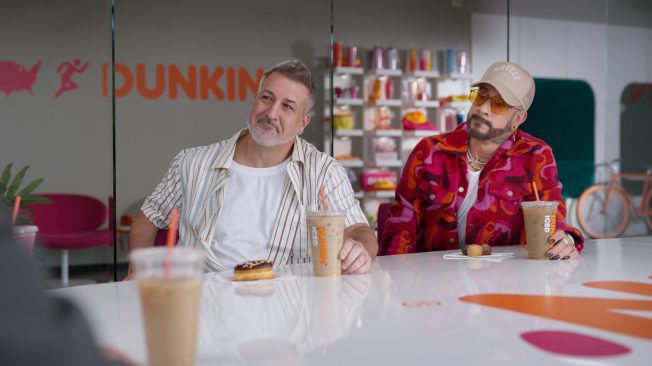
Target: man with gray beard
[(246, 198), (466, 186)]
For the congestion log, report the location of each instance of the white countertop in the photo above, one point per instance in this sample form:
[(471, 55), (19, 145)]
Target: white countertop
[(406, 311)]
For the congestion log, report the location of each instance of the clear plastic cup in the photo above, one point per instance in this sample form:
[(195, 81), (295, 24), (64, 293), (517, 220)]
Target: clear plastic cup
[(170, 287), (26, 234), (540, 220), (326, 235)]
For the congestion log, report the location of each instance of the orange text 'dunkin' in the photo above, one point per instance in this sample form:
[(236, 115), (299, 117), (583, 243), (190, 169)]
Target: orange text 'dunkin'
[(195, 82), (601, 313)]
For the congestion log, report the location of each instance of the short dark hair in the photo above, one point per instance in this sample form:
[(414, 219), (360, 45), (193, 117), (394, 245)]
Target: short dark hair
[(295, 70)]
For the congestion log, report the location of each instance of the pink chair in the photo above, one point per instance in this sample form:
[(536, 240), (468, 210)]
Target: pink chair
[(72, 222), (162, 238)]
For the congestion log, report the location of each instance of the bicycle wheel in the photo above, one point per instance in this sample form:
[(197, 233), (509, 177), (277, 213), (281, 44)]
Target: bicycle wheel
[(598, 223), (648, 209)]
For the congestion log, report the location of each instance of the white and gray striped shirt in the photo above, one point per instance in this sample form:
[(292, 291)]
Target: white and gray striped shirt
[(195, 184)]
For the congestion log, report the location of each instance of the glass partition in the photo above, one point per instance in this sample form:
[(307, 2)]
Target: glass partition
[(603, 45), (402, 71), (57, 120), (187, 72)]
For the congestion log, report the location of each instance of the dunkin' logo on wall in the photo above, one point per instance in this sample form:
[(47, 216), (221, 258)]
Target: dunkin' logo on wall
[(165, 81)]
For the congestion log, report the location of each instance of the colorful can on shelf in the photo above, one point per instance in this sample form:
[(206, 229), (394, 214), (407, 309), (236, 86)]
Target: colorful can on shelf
[(463, 62), (338, 56), (425, 61), (392, 58), (451, 61), (353, 55), (389, 89), (412, 60), (377, 58)]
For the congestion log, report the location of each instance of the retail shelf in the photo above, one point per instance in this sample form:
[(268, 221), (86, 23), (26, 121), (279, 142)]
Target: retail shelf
[(423, 74), (385, 72), (354, 132), (426, 103), (349, 101), (456, 105), (458, 76), (384, 163), (348, 70), (352, 163), (380, 194), (389, 103), (385, 133), (419, 133)]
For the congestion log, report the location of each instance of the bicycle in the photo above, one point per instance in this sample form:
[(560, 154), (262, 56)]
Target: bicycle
[(604, 210)]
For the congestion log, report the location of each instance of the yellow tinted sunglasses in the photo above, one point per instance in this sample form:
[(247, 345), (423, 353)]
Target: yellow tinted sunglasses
[(498, 105)]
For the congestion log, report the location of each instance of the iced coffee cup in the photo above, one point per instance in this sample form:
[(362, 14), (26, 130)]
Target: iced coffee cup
[(26, 235), (540, 218), (169, 285), (325, 236)]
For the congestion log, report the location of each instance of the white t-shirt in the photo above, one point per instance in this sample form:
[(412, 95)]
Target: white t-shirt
[(469, 200), (251, 203)]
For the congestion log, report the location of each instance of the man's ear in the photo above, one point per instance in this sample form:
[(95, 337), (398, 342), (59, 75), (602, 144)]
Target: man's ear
[(306, 120), (520, 117)]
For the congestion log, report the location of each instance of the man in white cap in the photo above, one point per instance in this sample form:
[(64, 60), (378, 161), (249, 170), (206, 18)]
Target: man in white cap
[(466, 186)]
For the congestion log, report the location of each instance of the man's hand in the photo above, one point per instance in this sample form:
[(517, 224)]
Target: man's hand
[(563, 246), (355, 258)]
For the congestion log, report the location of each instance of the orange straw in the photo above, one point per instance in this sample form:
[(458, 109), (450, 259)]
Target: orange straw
[(172, 229), (171, 238), (536, 193), (323, 200), (14, 214)]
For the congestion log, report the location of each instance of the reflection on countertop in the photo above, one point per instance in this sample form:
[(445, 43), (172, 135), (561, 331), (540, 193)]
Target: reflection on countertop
[(244, 323)]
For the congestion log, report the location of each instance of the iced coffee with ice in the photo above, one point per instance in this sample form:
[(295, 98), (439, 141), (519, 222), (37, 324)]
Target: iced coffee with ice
[(170, 283), (325, 237), (540, 219)]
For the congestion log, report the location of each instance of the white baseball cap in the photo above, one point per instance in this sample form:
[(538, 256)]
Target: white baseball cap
[(514, 83)]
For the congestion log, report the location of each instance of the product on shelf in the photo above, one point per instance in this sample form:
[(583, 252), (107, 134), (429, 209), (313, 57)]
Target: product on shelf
[(384, 149), (378, 118), (378, 180), (343, 120), (417, 119)]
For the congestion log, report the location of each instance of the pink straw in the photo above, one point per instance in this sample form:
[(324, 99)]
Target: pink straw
[(14, 214)]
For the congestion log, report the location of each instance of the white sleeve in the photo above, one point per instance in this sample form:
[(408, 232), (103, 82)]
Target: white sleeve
[(166, 196)]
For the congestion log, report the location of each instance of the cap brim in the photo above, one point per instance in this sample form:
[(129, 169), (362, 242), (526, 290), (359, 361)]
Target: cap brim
[(504, 92)]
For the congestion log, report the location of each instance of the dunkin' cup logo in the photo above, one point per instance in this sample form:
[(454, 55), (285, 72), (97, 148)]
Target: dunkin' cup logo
[(549, 224), (318, 235)]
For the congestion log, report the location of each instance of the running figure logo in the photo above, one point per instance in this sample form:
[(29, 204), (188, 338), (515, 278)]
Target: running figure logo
[(66, 78)]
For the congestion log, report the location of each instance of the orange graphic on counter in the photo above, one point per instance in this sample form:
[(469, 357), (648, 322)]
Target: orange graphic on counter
[(601, 313)]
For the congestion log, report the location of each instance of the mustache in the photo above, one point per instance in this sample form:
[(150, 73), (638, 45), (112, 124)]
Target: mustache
[(268, 122), (480, 119)]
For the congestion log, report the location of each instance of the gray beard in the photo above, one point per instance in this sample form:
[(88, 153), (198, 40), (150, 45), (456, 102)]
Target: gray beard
[(257, 133), (495, 135)]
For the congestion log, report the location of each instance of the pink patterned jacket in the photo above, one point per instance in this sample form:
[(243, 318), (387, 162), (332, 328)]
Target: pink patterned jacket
[(433, 186)]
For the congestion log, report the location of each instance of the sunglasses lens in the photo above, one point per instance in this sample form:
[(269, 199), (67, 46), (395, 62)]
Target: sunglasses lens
[(477, 98), (499, 106)]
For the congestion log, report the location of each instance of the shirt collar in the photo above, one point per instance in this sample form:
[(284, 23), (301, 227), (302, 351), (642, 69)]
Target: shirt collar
[(225, 155)]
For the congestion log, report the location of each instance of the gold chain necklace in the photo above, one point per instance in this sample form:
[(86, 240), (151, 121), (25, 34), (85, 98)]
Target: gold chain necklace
[(475, 164)]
